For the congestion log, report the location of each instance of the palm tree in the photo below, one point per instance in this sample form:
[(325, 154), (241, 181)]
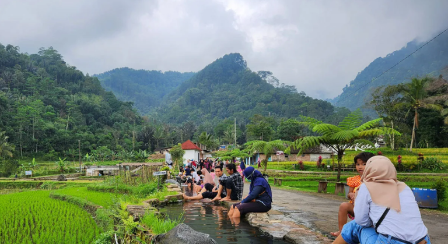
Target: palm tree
[(267, 148), (349, 133), (6, 149), (414, 95)]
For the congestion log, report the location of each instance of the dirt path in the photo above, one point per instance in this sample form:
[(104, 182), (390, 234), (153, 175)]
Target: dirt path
[(319, 212)]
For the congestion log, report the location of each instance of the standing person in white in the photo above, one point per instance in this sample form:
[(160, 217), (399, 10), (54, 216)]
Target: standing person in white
[(385, 209)]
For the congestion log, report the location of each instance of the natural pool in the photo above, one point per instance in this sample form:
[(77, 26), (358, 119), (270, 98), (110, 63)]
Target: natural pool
[(211, 218)]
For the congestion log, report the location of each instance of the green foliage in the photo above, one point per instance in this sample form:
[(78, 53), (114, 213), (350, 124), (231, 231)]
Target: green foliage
[(433, 164), (440, 186), (267, 148), (6, 149), (226, 88), (159, 224), (144, 88), (349, 133), (231, 155), (289, 130), (177, 154)]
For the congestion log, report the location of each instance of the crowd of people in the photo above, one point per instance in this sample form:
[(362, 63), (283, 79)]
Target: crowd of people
[(206, 179)]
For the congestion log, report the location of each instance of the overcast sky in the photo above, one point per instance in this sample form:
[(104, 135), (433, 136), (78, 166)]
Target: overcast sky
[(318, 46)]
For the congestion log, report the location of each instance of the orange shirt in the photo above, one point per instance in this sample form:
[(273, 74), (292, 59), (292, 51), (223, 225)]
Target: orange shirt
[(354, 181)]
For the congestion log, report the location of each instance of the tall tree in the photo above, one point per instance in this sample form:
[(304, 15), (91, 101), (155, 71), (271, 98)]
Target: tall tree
[(349, 133), (414, 95)]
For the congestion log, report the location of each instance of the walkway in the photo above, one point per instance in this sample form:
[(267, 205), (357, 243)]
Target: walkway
[(319, 212)]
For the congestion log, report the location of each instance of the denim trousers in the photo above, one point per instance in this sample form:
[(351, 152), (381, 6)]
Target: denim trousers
[(353, 233)]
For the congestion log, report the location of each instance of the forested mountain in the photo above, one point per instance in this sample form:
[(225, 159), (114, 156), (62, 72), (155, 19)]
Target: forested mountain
[(144, 88), (430, 60), (227, 88), (47, 105)]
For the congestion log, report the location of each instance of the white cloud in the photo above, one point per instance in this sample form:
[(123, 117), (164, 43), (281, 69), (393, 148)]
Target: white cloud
[(318, 46)]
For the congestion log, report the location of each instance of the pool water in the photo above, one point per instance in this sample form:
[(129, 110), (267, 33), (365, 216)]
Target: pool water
[(211, 218)]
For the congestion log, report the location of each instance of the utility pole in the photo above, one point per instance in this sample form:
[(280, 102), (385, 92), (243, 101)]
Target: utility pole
[(235, 134), (79, 155)]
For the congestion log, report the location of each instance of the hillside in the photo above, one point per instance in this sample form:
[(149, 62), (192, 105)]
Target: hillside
[(46, 106), (431, 59), (227, 88), (144, 88)]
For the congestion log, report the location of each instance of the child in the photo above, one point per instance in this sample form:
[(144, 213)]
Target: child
[(346, 208)]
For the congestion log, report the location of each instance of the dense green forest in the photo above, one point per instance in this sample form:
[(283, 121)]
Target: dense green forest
[(430, 60), (47, 105), (144, 88), (227, 88)]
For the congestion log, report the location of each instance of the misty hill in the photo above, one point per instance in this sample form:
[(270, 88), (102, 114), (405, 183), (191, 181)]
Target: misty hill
[(145, 88), (430, 60), (227, 88)]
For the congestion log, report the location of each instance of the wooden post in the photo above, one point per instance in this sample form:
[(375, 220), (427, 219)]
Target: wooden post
[(79, 152), (279, 182), (322, 187), (339, 188)]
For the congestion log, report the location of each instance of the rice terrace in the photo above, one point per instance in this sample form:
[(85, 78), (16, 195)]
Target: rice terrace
[(210, 121)]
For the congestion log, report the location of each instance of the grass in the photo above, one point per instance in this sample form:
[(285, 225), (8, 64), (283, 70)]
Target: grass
[(104, 199), (159, 224)]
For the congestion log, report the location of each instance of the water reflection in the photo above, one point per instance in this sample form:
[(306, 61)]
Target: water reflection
[(211, 218)]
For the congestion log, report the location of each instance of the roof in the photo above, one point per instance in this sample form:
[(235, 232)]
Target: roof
[(189, 145)]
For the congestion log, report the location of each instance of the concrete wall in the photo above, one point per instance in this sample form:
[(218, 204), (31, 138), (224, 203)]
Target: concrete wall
[(315, 157), (191, 154)]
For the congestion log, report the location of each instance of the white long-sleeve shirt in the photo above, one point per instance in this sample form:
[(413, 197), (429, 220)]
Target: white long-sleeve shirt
[(406, 225)]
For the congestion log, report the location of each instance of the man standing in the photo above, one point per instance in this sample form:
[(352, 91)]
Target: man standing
[(233, 185), (210, 190)]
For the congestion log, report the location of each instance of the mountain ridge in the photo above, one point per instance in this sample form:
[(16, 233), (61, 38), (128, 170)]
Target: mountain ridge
[(429, 60)]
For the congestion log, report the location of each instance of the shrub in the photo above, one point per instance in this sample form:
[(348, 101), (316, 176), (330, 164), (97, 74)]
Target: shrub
[(440, 186), (433, 164)]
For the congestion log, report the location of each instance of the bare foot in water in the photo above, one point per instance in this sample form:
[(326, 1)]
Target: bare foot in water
[(335, 234), (226, 199)]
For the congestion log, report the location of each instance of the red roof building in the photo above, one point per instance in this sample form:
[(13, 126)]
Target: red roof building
[(189, 145)]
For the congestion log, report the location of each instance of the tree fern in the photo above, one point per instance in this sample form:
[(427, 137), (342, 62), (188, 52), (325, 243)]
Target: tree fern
[(352, 121)]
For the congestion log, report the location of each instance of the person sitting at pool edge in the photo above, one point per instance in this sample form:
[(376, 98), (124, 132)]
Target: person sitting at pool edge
[(346, 208), (260, 195), (210, 190), (385, 209), (233, 184)]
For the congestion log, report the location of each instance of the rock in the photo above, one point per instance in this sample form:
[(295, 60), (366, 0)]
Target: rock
[(184, 234), (61, 178), (171, 181), (304, 237), (152, 202), (257, 219), (173, 186), (174, 197), (174, 189)]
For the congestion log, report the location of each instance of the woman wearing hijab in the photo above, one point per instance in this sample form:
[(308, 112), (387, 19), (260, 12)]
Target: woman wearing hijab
[(242, 167), (385, 209), (260, 195)]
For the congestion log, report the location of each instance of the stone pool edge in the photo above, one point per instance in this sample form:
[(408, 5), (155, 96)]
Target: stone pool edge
[(279, 226)]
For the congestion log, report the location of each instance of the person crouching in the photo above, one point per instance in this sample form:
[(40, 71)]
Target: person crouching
[(259, 198)]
